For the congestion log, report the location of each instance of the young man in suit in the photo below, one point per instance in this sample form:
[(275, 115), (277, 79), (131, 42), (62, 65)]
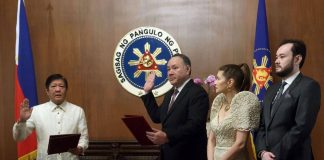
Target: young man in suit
[(289, 109), (183, 113)]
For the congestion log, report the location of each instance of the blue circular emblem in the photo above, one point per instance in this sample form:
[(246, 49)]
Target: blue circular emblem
[(141, 51)]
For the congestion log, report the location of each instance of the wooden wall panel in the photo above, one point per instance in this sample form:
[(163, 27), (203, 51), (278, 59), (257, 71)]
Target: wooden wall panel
[(7, 45), (102, 32), (78, 37)]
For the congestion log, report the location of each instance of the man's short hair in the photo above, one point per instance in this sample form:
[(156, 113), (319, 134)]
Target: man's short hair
[(186, 60), (298, 48), (53, 77)]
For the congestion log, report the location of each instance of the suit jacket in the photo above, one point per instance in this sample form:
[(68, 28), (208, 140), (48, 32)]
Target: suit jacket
[(286, 132), (184, 124)]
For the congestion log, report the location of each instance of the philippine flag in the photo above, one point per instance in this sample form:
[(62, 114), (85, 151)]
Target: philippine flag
[(25, 83)]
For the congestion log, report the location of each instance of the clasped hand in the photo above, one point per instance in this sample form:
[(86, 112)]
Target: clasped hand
[(268, 156)]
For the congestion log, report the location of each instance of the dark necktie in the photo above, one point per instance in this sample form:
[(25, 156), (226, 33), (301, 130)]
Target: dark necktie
[(173, 97), (278, 95)]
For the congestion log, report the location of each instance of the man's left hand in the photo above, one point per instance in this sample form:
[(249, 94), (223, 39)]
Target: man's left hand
[(157, 136), (76, 151)]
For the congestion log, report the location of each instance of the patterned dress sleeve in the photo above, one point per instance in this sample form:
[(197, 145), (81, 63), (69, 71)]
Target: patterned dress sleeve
[(246, 111), (216, 106)]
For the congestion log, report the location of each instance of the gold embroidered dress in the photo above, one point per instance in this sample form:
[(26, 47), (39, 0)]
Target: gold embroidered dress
[(244, 116)]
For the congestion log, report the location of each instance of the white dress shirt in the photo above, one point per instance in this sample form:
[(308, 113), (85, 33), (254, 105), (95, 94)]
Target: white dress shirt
[(181, 87), (49, 119), (290, 80)]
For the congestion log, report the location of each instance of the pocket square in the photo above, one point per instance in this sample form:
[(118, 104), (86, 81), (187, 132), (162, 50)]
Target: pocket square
[(287, 95)]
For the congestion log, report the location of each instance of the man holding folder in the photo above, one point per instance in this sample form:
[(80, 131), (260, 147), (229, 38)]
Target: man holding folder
[(183, 113), (55, 117)]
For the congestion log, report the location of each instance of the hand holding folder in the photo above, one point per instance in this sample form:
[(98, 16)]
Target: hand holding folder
[(138, 126), (62, 143)]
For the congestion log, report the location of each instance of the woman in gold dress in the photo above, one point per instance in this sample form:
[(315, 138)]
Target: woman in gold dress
[(234, 113)]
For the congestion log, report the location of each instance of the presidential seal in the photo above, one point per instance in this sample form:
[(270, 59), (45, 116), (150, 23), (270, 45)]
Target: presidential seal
[(141, 51), (262, 78)]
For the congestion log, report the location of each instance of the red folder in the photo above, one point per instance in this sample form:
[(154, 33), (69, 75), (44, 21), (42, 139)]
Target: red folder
[(138, 126)]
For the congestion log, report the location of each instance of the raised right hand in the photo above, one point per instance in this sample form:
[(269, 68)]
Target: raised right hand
[(149, 84), (25, 111)]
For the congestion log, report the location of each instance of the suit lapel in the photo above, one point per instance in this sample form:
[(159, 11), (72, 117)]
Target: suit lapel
[(164, 109), (291, 87), (183, 92), (267, 103)]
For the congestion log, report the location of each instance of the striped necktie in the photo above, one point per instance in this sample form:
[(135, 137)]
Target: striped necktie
[(173, 97), (278, 95)]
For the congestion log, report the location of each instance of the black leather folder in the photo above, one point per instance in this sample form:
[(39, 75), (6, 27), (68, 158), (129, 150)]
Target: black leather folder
[(62, 143)]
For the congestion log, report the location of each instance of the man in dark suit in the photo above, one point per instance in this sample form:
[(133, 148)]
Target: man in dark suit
[(289, 112), (183, 114)]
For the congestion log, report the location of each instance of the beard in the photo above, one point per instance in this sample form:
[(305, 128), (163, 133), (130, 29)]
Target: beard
[(286, 71)]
